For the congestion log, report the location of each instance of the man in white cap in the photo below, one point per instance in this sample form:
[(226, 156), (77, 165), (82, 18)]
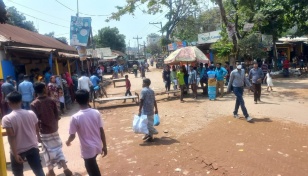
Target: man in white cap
[(236, 83)]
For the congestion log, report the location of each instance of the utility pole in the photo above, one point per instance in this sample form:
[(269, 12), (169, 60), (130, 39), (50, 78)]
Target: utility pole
[(138, 43), (144, 48), (77, 9), (161, 27)]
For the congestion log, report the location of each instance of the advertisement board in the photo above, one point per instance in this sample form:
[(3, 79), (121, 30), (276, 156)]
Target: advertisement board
[(209, 37), (80, 31)]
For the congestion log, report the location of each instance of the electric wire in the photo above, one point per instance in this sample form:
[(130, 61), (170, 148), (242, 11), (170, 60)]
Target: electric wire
[(37, 10)]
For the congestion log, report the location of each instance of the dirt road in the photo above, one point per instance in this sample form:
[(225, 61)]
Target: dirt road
[(200, 137)]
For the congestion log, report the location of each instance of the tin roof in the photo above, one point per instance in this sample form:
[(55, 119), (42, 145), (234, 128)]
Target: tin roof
[(9, 33)]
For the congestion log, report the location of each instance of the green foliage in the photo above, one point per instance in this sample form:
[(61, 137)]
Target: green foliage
[(189, 28), (164, 41), (272, 19), (251, 48), (18, 19), (223, 47), (297, 15), (177, 11), (110, 37), (3, 16)]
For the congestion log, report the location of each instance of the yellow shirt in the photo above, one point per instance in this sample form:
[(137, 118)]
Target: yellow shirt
[(180, 77)]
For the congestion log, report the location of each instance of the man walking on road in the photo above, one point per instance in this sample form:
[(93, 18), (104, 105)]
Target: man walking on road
[(237, 81), (146, 107), (88, 124), (47, 113), (23, 134), (26, 90), (220, 75), (84, 82), (256, 75)]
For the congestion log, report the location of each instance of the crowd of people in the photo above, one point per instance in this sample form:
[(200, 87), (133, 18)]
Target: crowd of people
[(60, 88), (46, 99), (183, 77)]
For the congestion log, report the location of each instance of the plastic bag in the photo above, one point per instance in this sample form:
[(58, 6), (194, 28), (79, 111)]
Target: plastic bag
[(156, 120), (140, 124), (96, 88)]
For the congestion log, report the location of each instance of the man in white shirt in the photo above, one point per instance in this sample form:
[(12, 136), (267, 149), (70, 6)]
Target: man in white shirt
[(99, 72), (84, 82)]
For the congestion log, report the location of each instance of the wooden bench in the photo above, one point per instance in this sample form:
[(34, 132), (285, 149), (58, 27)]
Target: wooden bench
[(117, 80), (101, 100), (169, 92)]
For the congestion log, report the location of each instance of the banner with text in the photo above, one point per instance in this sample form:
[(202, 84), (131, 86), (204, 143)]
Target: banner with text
[(210, 37), (80, 31)]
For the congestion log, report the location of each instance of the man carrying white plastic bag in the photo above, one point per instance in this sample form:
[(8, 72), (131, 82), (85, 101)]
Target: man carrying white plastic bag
[(146, 107)]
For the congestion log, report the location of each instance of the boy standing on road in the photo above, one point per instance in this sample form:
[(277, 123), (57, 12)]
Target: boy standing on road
[(128, 85), (89, 126), (146, 107), (23, 134), (47, 113)]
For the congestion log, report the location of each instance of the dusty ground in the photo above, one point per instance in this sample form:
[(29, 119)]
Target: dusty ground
[(204, 139), (200, 137)]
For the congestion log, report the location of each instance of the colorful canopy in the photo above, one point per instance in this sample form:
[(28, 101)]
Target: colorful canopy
[(187, 54)]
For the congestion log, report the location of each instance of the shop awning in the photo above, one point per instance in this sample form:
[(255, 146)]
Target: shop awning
[(23, 48), (68, 55)]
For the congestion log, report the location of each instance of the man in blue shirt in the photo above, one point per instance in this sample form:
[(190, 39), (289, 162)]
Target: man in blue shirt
[(95, 81), (26, 90), (202, 75), (220, 75), (236, 84), (47, 75), (115, 71), (256, 76), (121, 69)]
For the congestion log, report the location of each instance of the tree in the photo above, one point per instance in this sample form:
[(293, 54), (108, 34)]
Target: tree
[(223, 47), (61, 39), (250, 47), (297, 15), (18, 19), (236, 13), (177, 11), (110, 37), (154, 48), (153, 35), (272, 21), (206, 21), (3, 13)]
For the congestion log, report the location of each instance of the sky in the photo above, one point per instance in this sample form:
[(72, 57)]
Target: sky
[(51, 16)]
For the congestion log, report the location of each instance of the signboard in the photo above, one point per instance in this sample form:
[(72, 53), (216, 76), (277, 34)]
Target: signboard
[(82, 52), (177, 45), (210, 37), (99, 52), (267, 40), (248, 27), (80, 31)]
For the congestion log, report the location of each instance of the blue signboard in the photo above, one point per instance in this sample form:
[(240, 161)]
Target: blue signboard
[(80, 31)]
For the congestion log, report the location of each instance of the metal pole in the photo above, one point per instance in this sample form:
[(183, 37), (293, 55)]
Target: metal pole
[(2, 154), (77, 8)]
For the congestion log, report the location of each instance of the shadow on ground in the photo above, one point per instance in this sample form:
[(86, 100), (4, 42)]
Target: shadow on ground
[(161, 141)]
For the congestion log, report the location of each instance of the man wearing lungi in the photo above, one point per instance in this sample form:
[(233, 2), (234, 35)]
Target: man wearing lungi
[(47, 113)]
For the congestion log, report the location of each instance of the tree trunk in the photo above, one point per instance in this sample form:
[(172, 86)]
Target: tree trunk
[(275, 52), (234, 38)]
